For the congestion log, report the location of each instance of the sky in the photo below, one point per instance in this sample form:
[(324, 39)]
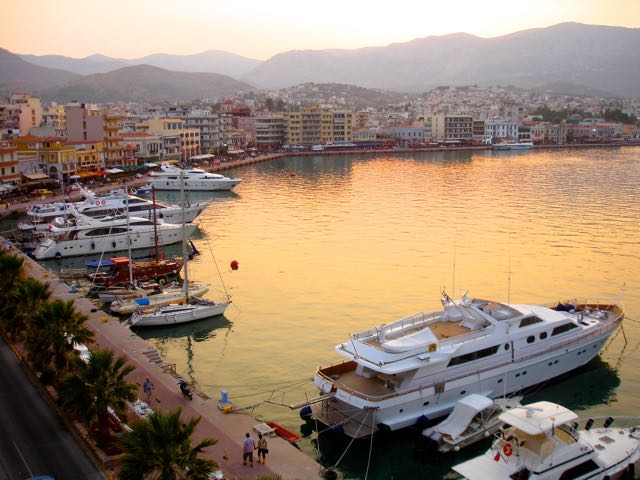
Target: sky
[(262, 28)]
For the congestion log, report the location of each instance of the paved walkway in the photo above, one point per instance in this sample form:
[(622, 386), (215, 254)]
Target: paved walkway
[(284, 459)]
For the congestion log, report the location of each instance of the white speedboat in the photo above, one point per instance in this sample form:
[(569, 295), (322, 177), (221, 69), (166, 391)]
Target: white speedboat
[(545, 441), (194, 179), (420, 366), (474, 418), (116, 202), (513, 146), (169, 295), (80, 235)]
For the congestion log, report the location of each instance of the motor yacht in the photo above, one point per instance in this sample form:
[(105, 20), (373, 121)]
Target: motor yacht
[(513, 146), (116, 202), (80, 235), (415, 369), (169, 178), (546, 441)]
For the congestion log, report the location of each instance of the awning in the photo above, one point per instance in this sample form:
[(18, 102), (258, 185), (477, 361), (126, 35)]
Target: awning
[(151, 165), (204, 156), (35, 176), (87, 174), (114, 170), (130, 168)]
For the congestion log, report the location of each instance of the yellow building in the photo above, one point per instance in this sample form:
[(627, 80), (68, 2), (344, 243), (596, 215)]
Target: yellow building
[(56, 159), (178, 141), (113, 148), (89, 156), (314, 125)]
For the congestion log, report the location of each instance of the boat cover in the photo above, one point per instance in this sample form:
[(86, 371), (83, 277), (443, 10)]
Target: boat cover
[(463, 412), (143, 302), (99, 263), (420, 338), (483, 468)]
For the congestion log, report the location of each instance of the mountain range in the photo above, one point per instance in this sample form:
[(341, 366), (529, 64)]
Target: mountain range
[(580, 58)]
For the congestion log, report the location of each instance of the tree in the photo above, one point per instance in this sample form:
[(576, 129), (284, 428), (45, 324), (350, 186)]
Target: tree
[(11, 268), (24, 301), (160, 448), (50, 336), (92, 387)]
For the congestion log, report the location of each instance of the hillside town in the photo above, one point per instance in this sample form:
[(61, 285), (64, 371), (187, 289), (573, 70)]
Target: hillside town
[(53, 142)]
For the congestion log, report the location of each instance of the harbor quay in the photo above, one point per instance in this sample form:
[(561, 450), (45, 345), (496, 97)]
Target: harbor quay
[(229, 428)]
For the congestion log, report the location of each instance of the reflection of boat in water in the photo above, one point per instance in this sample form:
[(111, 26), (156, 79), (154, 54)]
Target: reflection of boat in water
[(546, 441), (198, 332), (421, 365)]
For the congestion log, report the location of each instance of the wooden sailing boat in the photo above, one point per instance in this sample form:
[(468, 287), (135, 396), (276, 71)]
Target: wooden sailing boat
[(195, 308)]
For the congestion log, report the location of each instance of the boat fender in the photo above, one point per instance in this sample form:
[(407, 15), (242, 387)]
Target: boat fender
[(113, 244), (93, 245), (305, 413), (507, 449)]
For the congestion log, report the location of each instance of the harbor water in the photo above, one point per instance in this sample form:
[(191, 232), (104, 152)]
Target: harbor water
[(330, 245)]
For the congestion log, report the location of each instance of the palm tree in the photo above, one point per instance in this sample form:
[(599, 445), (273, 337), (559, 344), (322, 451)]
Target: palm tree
[(11, 268), (92, 387), (23, 303), (160, 448), (50, 336)]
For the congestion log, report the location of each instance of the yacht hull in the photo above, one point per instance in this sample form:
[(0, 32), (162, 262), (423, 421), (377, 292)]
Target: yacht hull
[(177, 314), (51, 248), (195, 184)]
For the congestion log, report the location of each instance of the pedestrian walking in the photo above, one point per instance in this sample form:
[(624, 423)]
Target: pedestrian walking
[(147, 387), (248, 446), (262, 448)]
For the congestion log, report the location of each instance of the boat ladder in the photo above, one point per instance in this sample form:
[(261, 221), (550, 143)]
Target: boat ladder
[(310, 401)]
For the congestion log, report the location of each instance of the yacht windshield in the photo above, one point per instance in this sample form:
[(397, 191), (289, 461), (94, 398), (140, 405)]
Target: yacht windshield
[(499, 311)]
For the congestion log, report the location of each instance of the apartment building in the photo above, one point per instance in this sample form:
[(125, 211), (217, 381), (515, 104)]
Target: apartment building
[(113, 151), (446, 127), (178, 141), (314, 125), (215, 129), (89, 155), (83, 124), (270, 131), (9, 172), (499, 130), (405, 136), (146, 147)]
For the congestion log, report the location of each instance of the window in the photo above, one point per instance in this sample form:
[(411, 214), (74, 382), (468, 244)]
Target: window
[(531, 339), (525, 322), (469, 357), (543, 335), (579, 470), (563, 328)]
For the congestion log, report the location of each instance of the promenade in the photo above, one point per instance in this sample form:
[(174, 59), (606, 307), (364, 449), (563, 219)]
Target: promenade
[(228, 428)]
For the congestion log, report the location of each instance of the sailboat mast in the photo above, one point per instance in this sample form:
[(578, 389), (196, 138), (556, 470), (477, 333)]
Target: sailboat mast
[(126, 199), (185, 286), (155, 222)]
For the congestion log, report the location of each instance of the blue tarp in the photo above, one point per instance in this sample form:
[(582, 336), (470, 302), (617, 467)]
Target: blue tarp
[(143, 302), (97, 263)]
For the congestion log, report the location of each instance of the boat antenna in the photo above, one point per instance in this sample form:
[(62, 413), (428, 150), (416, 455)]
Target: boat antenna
[(126, 200), (185, 285)]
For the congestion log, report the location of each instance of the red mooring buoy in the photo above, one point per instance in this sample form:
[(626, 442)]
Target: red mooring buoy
[(234, 265), (293, 174)]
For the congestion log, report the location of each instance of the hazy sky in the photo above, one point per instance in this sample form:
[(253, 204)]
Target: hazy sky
[(262, 28)]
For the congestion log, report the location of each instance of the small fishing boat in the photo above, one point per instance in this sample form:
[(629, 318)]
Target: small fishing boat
[(120, 271), (474, 418), (283, 432), (545, 441)]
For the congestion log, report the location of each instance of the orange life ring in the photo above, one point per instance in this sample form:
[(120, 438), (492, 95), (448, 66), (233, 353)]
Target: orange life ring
[(507, 449)]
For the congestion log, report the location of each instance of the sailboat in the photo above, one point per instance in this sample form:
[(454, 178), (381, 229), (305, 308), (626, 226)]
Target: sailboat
[(195, 308)]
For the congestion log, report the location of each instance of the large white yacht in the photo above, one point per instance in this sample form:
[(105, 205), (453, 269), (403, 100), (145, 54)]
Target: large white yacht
[(81, 235), (417, 368), (116, 202), (194, 179), (513, 146), (545, 441)]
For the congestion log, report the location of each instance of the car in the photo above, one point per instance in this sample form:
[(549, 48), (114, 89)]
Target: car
[(42, 191)]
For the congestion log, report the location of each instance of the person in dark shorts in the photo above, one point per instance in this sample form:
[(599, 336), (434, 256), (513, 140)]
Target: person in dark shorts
[(262, 448), (248, 446)]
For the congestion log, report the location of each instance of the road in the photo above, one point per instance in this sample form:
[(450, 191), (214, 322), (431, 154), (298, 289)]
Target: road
[(33, 439)]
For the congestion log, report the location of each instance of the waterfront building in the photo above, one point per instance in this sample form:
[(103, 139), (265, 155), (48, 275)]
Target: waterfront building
[(215, 129), (499, 130), (364, 135), (146, 147), (56, 159), (478, 129), (89, 155), (9, 172), (312, 125), (446, 127), (83, 124), (113, 151), (270, 131), (405, 136), (544, 132)]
